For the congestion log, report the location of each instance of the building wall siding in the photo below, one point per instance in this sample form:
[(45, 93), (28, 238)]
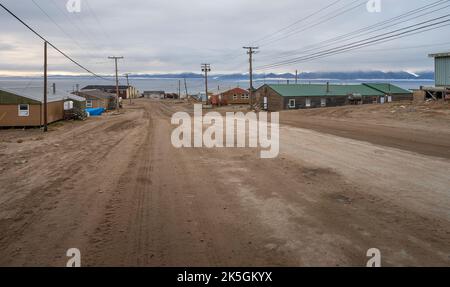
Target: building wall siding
[(9, 115), (442, 72), (277, 102), (274, 100), (228, 97)]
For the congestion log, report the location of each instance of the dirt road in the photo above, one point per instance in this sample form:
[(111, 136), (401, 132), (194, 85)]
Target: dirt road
[(116, 189)]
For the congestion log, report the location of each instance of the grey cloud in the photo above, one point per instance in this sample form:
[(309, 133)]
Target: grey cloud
[(178, 35)]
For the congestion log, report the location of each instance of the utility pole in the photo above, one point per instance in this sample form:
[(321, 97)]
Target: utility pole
[(185, 87), (206, 68), (296, 77), (250, 52), (128, 85), (179, 89), (117, 79), (45, 89)]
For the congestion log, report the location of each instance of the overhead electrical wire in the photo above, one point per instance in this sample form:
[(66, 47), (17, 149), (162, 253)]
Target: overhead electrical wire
[(51, 44), (98, 20), (233, 56), (295, 23), (364, 31), (61, 28), (384, 41), (356, 46), (362, 43), (73, 23), (328, 17)]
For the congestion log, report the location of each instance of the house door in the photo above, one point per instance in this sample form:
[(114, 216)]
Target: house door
[(266, 103), (308, 102), (323, 102)]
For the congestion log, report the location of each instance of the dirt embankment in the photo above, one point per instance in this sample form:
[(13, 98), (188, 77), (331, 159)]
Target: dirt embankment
[(422, 128)]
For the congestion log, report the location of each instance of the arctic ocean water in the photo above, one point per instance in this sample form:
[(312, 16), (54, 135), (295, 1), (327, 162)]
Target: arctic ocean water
[(193, 86)]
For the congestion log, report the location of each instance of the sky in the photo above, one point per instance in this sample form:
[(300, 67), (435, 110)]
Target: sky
[(174, 36)]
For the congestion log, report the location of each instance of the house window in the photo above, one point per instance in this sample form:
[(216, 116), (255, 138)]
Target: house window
[(245, 96), (292, 104), (24, 110), (89, 104), (235, 97)]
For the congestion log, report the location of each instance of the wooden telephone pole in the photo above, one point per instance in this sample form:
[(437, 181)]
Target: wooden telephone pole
[(45, 89), (250, 52), (128, 84), (206, 68), (117, 79)]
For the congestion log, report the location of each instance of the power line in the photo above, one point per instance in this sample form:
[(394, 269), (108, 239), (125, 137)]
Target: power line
[(73, 23), (384, 41), (367, 30), (328, 17), (362, 43), (50, 44), (97, 20), (297, 22), (60, 28), (235, 55)]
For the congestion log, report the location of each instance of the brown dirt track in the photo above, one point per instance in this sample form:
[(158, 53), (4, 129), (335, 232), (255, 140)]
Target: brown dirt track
[(115, 188)]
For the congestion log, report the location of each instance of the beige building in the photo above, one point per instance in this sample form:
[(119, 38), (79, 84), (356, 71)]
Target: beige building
[(98, 99), (23, 107)]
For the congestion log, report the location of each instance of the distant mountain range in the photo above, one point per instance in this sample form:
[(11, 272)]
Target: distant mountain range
[(304, 76), (357, 75)]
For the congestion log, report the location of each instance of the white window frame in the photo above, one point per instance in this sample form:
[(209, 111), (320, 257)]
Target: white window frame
[(290, 103), (89, 104), (235, 97), (23, 113), (245, 96)]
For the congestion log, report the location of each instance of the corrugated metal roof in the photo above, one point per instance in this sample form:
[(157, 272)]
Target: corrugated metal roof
[(440, 55), (36, 94), (320, 90), (387, 88), (105, 87)]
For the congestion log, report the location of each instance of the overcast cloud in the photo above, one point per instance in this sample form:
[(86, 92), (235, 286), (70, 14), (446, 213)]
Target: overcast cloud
[(170, 36)]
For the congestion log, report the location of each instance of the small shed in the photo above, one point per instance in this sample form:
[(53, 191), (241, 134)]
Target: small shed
[(23, 107)]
